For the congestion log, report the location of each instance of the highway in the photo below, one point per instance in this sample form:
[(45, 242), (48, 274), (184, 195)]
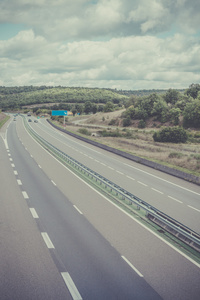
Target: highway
[(105, 253), (175, 197)]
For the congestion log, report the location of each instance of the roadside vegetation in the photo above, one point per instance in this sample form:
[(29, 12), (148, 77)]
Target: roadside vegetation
[(163, 126)]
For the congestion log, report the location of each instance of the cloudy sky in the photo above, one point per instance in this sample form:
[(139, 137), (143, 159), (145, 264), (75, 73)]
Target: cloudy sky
[(122, 44)]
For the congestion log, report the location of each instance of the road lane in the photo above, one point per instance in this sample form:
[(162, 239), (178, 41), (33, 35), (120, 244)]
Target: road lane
[(172, 275)]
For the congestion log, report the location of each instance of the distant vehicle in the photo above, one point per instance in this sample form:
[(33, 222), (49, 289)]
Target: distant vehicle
[(14, 119), (29, 120), (36, 121), (29, 114)]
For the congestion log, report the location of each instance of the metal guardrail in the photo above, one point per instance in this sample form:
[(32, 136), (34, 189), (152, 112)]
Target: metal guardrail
[(181, 231)]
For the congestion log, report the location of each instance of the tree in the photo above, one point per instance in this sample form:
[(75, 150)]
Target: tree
[(171, 135), (174, 115), (191, 114), (109, 107), (88, 107), (171, 96), (193, 90), (160, 110)]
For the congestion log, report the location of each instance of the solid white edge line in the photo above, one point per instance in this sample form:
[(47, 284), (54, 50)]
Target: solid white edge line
[(71, 286), (34, 213), (47, 240), (130, 264), (148, 229), (77, 209)]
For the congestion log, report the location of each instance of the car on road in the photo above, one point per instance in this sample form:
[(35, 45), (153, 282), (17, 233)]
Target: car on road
[(29, 120), (36, 121)]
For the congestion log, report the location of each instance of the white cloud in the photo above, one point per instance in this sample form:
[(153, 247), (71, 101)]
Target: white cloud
[(107, 42)]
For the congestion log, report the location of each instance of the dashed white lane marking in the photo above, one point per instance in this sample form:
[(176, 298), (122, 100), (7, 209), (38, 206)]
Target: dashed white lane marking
[(9, 154), (134, 268), (120, 172), (110, 168), (13, 165), (71, 286), (15, 172), (25, 195), (34, 213), (194, 208), (47, 240), (103, 164), (39, 166), (77, 209), (10, 159), (19, 182), (53, 182), (157, 191), (175, 199), (129, 177), (160, 178), (144, 184)]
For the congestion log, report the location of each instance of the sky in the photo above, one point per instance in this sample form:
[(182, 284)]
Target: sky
[(117, 44)]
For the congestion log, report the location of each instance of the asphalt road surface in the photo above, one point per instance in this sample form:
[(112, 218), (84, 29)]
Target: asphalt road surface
[(83, 245)]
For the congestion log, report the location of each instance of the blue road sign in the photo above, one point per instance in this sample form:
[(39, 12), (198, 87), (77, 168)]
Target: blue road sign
[(59, 112)]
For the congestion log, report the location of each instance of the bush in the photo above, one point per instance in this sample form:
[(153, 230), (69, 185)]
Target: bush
[(171, 135), (84, 131), (142, 124), (126, 122)]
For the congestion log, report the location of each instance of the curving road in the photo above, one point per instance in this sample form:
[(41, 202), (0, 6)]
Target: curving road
[(100, 252)]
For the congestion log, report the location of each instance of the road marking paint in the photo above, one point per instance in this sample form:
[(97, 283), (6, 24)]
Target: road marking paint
[(13, 165), (111, 168), (175, 199), (162, 179), (19, 182), (103, 164), (77, 209), (15, 172), (25, 195), (10, 159), (96, 160), (126, 213), (39, 166), (53, 182), (31, 155), (120, 172), (47, 240), (142, 183), (71, 286), (194, 208), (157, 191), (130, 177), (9, 154), (134, 268), (34, 213)]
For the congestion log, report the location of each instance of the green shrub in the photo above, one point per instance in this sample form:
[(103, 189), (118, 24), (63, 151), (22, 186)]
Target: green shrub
[(84, 131), (171, 135), (141, 124)]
